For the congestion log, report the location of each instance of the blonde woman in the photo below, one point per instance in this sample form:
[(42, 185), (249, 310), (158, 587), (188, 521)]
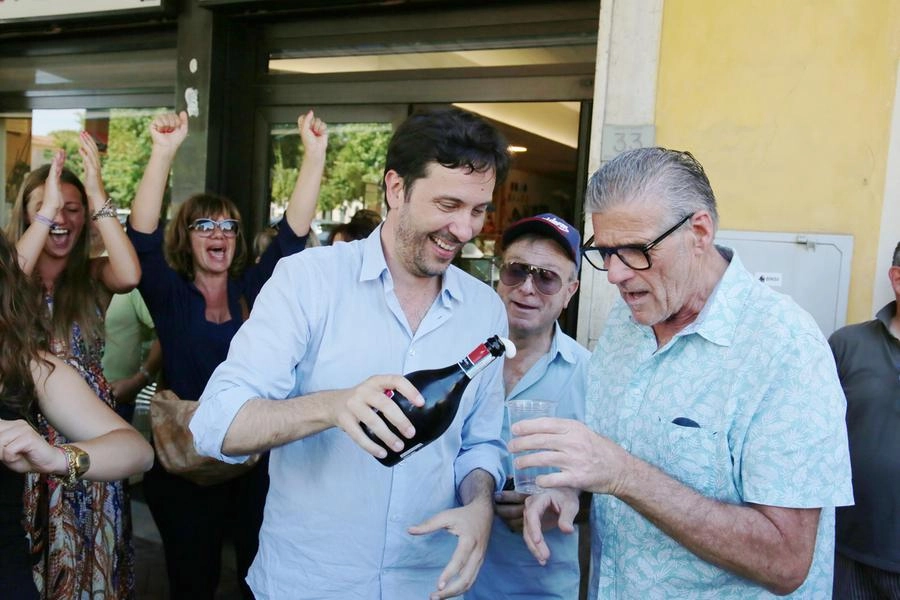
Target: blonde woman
[(50, 228)]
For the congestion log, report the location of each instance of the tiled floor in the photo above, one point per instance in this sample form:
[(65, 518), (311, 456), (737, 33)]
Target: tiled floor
[(150, 565)]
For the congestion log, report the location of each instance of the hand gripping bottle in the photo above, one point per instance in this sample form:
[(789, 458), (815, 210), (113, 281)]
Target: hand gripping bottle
[(442, 389)]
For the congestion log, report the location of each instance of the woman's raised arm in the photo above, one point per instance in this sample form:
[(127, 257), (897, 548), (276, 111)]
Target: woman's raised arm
[(167, 132), (302, 206)]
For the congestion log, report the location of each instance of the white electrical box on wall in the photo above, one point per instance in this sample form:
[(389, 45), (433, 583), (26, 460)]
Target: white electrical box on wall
[(814, 269)]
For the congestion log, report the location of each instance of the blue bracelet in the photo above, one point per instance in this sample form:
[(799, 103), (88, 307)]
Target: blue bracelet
[(42, 219)]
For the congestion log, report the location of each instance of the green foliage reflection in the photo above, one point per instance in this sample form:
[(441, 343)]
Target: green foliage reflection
[(355, 157)]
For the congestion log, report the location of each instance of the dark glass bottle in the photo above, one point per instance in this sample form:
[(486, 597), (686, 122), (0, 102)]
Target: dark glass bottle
[(442, 389)]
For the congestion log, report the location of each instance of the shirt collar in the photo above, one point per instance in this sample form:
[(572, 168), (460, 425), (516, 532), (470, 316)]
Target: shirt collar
[(563, 351), (374, 266), (717, 321), (373, 261), (887, 313)]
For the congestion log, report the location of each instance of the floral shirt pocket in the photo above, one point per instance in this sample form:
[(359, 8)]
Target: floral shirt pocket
[(692, 454)]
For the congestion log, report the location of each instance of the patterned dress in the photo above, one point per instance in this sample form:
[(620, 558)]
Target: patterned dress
[(81, 547)]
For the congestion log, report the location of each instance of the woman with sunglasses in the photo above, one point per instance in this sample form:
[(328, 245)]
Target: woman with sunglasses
[(50, 228), (198, 300)]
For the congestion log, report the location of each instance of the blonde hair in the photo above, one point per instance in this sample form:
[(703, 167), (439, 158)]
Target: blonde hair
[(76, 295)]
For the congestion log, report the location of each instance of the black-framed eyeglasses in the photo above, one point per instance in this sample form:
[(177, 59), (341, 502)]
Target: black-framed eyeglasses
[(634, 256), (206, 227), (545, 281)]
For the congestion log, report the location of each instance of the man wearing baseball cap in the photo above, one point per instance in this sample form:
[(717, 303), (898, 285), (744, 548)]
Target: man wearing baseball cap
[(538, 277)]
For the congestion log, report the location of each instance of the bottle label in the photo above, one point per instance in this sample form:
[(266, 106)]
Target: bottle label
[(410, 450), (476, 360), (478, 353)]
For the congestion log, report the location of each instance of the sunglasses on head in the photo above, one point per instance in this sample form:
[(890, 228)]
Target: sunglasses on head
[(545, 281), (206, 227)]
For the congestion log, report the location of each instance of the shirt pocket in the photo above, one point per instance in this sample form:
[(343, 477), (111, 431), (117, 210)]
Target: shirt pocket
[(692, 455)]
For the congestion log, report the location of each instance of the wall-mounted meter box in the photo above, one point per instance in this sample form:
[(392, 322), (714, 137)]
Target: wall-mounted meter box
[(814, 269)]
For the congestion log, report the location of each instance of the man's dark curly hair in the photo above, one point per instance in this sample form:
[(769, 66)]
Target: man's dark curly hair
[(450, 137)]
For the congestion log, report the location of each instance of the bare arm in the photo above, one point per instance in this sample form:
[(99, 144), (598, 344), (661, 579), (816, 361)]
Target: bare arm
[(116, 449), (119, 271), (302, 206), (31, 244), (477, 486), (772, 546), (167, 132), (767, 544)]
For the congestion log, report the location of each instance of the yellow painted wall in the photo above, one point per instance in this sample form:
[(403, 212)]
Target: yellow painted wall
[(787, 103)]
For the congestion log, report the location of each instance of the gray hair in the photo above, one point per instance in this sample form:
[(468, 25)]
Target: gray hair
[(652, 173)]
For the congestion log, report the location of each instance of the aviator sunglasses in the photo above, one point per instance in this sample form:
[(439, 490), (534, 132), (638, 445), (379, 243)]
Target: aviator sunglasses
[(205, 227), (545, 281)]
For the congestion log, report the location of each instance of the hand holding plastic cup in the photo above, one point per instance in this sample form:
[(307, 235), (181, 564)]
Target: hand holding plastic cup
[(522, 409)]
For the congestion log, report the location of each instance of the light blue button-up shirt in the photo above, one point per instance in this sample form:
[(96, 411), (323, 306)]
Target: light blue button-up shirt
[(509, 569), (756, 377), (336, 520)]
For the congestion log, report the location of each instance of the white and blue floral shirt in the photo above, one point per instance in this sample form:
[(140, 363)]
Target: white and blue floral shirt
[(744, 405)]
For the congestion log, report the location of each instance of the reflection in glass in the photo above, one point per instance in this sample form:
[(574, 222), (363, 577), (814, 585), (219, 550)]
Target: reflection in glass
[(354, 165)]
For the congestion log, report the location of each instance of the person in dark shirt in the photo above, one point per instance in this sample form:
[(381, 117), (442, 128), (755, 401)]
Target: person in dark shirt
[(867, 535), (198, 299)]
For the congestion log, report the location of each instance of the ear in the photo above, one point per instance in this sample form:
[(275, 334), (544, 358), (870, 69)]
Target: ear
[(570, 291), (894, 275), (704, 230), (393, 188)]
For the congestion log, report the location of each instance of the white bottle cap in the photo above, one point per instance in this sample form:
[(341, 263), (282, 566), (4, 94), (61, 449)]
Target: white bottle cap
[(510, 347)]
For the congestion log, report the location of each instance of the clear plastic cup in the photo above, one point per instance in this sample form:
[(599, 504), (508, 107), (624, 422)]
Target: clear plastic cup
[(522, 409)]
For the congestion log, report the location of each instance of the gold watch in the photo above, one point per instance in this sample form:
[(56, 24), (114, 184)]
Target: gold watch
[(77, 462)]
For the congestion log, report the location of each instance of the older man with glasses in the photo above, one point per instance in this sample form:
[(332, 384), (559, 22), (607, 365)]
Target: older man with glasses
[(715, 443), (538, 277)]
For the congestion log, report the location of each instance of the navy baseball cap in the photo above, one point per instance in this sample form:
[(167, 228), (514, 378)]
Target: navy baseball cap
[(548, 225)]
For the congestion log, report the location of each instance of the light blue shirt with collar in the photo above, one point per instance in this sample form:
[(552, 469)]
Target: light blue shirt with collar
[(336, 520), (510, 570), (744, 406)]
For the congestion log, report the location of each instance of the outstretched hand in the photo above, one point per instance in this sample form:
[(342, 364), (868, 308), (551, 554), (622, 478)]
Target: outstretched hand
[(313, 133), (168, 131), (472, 525), (368, 404), (551, 508)]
